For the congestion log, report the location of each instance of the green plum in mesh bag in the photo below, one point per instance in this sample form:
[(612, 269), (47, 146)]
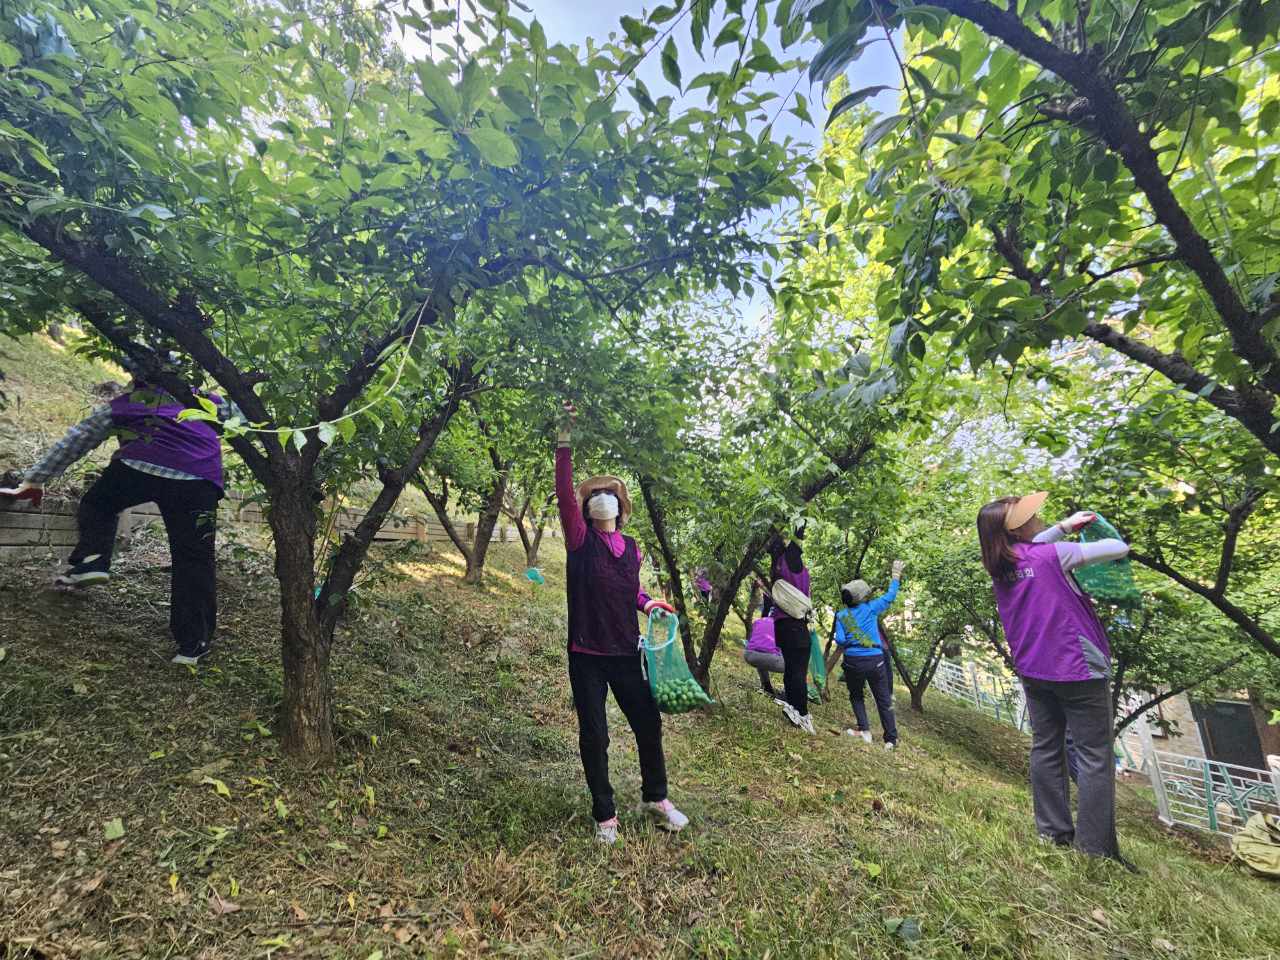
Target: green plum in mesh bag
[(1113, 580), (672, 684)]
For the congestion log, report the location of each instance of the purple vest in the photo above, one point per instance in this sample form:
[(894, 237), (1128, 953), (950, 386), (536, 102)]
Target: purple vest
[(762, 638), (602, 592), (146, 422), (1052, 630)]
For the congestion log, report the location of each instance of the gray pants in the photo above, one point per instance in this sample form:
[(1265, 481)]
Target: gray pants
[(1084, 708), (771, 662)]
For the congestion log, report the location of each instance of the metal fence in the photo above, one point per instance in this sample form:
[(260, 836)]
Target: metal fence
[(1189, 791)]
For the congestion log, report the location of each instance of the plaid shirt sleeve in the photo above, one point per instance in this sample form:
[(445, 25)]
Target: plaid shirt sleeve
[(79, 440)]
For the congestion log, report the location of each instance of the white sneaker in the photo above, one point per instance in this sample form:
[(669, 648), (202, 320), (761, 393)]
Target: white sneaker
[(665, 816), (806, 724), (887, 746), (607, 832), (865, 735)]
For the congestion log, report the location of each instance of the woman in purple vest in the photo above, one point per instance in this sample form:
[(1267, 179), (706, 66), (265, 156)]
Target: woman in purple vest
[(1061, 653), (602, 568), (175, 464), (792, 635)]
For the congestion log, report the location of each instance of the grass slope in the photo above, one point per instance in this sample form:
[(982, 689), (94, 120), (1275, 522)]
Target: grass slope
[(47, 388), (455, 823)]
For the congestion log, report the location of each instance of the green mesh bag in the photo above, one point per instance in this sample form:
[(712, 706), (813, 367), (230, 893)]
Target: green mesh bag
[(1111, 581), (673, 686), (817, 667)]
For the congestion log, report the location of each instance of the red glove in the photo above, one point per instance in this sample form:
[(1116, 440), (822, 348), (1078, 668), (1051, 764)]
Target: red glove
[(24, 492)]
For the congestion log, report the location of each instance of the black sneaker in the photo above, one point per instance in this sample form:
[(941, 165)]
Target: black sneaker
[(85, 573), (190, 657)]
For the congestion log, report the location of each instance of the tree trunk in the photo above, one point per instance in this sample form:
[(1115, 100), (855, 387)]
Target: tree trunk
[(307, 716), (917, 699), (484, 527), (533, 545)]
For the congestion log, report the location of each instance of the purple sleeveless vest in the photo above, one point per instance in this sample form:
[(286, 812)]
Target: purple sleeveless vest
[(146, 421), (602, 592), (1053, 631)]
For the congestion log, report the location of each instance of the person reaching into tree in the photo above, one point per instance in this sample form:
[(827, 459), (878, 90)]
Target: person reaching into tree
[(602, 570), (1061, 654), (858, 635), (176, 464), (791, 632)]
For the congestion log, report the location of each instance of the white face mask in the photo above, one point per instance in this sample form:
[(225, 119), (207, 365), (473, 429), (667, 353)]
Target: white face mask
[(602, 506)]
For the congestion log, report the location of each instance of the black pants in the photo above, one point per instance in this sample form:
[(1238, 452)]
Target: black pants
[(591, 677), (189, 510), (793, 640), (871, 671)]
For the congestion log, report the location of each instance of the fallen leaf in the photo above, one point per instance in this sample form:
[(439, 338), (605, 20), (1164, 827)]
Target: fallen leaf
[(94, 882), (220, 907), (113, 829), (404, 935), (80, 688), (1099, 915), (386, 910), (219, 787), (1160, 943), (4, 652), (376, 955), (298, 913)]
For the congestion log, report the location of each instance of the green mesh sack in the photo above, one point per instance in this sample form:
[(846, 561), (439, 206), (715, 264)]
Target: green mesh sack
[(817, 667), (673, 686), (1111, 581)]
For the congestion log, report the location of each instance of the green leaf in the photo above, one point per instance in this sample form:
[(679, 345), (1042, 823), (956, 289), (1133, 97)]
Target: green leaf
[(151, 211), (351, 177), (836, 54), (849, 101), (881, 129), (832, 216), (671, 62), (113, 829), (494, 146), (326, 433), (439, 90), (637, 32)]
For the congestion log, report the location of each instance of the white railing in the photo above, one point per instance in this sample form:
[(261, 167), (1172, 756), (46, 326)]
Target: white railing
[(1189, 791)]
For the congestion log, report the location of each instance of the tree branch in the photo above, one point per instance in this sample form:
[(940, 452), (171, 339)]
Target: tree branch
[(1117, 127), (1173, 692), (1240, 618)]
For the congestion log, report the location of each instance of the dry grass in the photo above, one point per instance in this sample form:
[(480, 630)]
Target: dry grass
[(455, 822)]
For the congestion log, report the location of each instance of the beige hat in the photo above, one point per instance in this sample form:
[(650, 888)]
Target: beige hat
[(1024, 509), (858, 589), (612, 484)]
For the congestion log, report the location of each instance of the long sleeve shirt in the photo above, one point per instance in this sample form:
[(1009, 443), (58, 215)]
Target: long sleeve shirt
[(575, 527), (858, 628), (89, 434), (1072, 555)]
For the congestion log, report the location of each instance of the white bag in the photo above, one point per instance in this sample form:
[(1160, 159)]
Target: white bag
[(790, 600)]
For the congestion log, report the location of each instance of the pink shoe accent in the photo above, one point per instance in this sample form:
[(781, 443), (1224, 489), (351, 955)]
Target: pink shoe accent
[(611, 822)]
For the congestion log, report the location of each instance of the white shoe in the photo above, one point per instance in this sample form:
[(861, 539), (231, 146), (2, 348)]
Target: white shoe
[(792, 713), (865, 735), (780, 702), (607, 832), (887, 746), (806, 724), (665, 816)]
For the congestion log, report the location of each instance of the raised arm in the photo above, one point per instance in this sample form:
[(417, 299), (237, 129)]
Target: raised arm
[(571, 522)]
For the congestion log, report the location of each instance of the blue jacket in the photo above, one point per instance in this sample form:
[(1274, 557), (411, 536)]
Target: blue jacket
[(857, 632)]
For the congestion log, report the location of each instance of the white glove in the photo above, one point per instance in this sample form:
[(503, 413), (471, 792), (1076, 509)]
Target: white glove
[(1077, 521), (897, 569)]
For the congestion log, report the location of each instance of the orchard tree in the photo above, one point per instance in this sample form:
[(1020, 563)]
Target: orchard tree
[(305, 215), (1061, 170)]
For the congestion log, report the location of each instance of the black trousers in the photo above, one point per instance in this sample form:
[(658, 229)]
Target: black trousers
[(793, 640), (189, 510), (591, 677), (871, 672)]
